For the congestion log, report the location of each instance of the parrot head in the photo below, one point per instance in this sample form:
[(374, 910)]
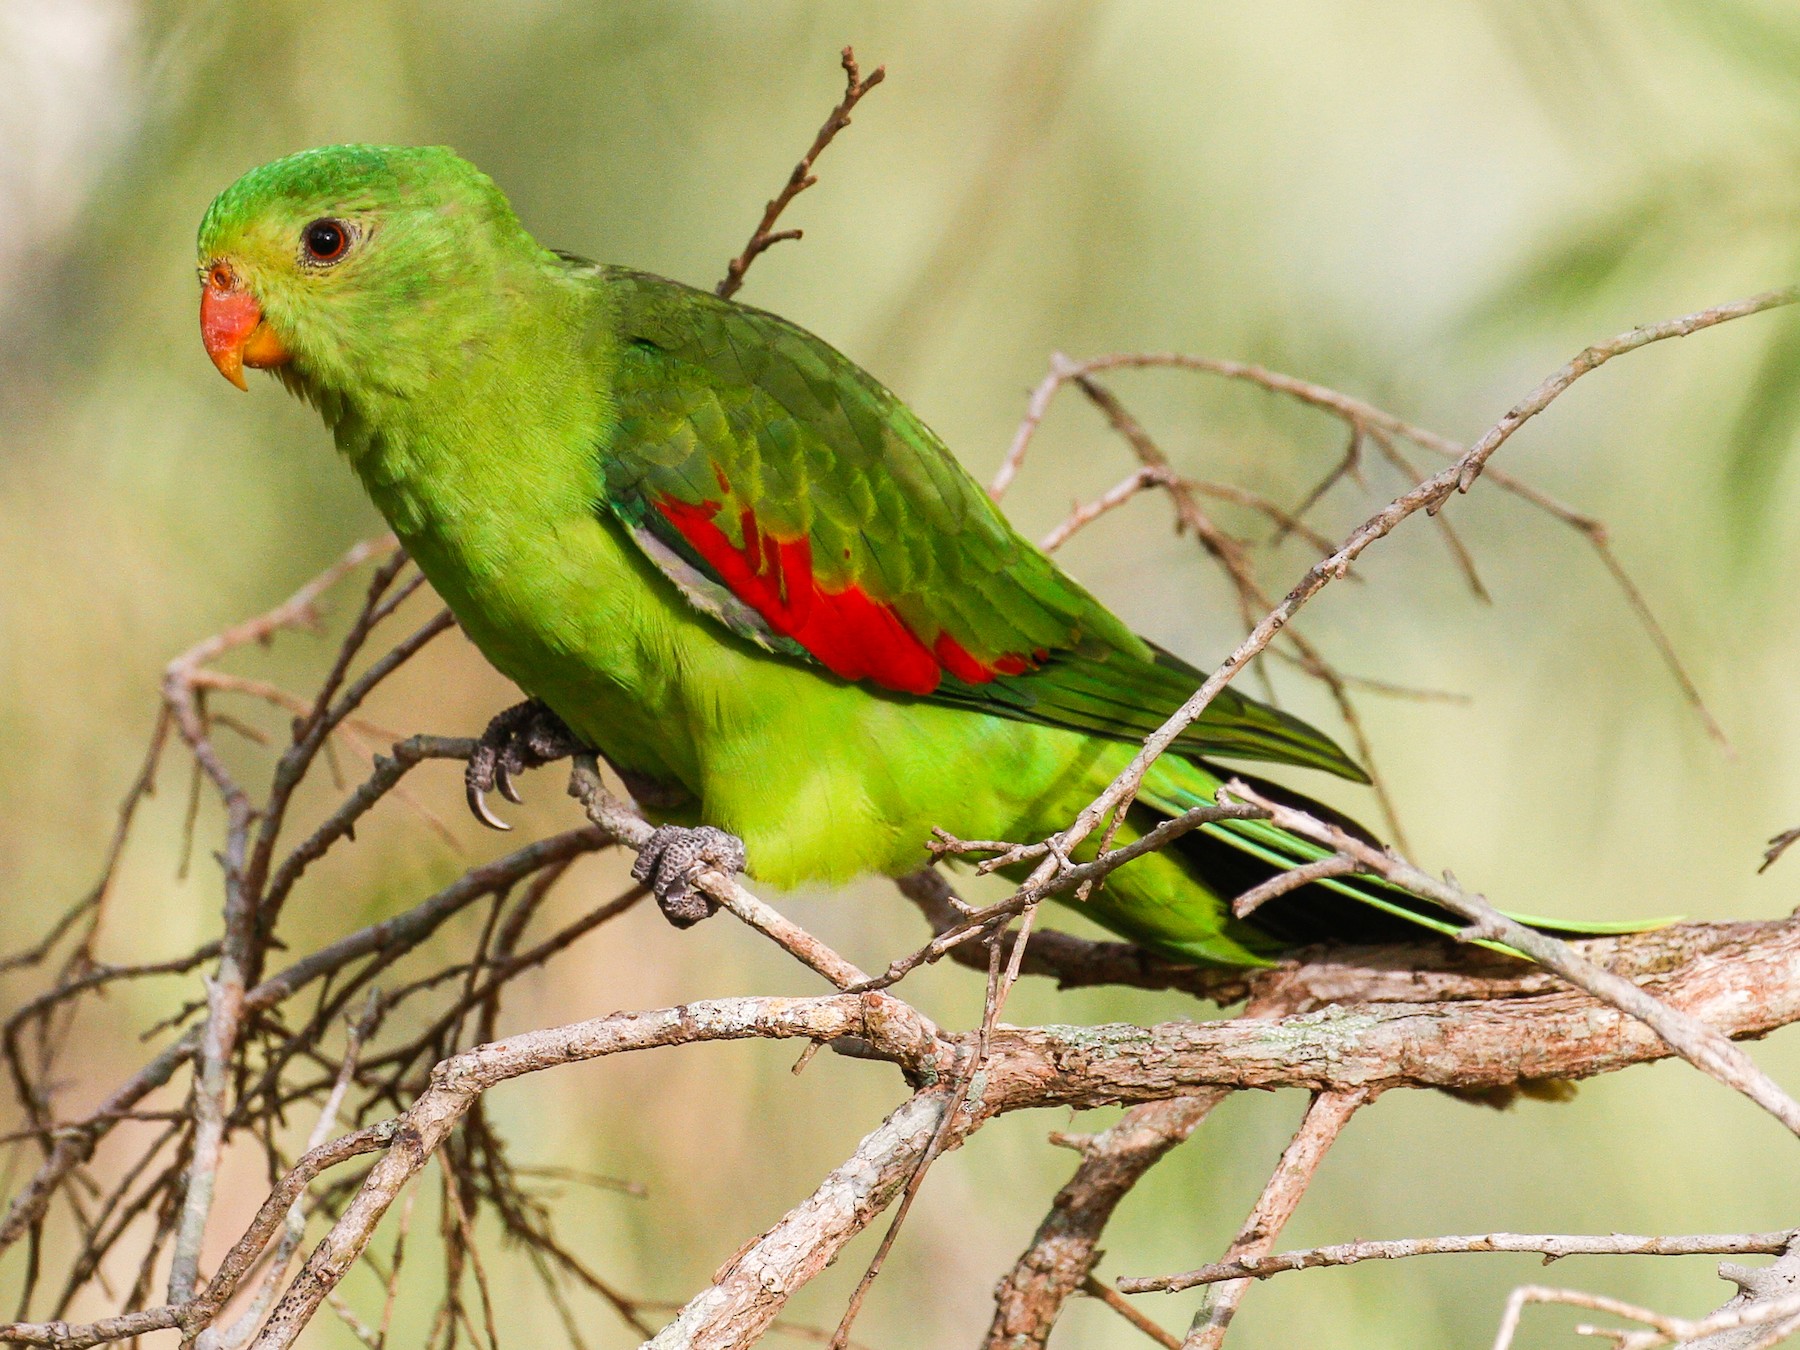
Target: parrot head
[(350, 265)]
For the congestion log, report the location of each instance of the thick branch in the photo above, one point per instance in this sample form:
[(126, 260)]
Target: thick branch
[(1745, 987), (748, 1294), (1689, 1037)]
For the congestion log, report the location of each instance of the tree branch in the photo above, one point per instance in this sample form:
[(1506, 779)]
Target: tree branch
[(1325, 1119), (1689, 1037), (766, 236), (1551, 1246)]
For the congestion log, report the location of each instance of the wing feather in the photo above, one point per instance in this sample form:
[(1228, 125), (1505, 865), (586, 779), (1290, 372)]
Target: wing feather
[(795, 501)]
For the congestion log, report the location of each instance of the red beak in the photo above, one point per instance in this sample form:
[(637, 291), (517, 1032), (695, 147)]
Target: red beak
[(232, 327)]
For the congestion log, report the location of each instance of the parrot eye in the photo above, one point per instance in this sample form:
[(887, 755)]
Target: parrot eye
[(325, 241)]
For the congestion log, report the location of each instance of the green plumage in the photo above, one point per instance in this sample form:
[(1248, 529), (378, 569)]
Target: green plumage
[(672, 517), (709, 391)]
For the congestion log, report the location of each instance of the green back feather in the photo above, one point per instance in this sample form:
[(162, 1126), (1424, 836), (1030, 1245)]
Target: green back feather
[(724, 404)]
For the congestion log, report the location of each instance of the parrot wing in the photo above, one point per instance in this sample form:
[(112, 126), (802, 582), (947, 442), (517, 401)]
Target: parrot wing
[(804, 508)]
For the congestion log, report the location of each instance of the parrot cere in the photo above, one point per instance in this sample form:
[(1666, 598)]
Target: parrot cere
[(716, 551)]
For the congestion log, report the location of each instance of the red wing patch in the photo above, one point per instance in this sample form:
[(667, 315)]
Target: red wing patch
[(853, 635)]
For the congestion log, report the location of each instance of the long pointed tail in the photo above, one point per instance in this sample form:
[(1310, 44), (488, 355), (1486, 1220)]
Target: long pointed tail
[(1182, 906)]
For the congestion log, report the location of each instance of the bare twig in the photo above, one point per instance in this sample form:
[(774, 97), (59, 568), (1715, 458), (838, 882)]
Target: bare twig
[(1777, 846), (1334, 865), (766, 236), (1689, 1037), (1349, 466), (93, 904), (243, 871), (979, 923), (1465, 562), (458, 1082), (1232, 555), (1754, 1318), (1324, 1120), (240, 1331), (1095, 1287), (1595, 533), (1429, 495), (1551, 1246), (1778, 1316), (1110, 500), (197, 1312), (1073, 962)]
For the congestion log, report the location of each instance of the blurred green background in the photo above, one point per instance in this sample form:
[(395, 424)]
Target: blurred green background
[(1430, 205)]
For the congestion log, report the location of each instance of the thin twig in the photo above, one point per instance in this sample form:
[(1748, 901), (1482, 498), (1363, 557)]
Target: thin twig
[(1429, 495), (1687, 1036), (1779, 1315), (1233, 556), (978, 923), (1335, 865), (1110, 500), (1324, 1121), (1094, 1287), (766, 236), (1550, 1246)]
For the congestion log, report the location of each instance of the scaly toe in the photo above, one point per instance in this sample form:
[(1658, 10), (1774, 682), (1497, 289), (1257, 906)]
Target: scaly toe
[(673, 856)]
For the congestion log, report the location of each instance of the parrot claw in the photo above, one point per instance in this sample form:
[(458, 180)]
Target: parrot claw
[(673, 856), (478, 807), (525, 736)]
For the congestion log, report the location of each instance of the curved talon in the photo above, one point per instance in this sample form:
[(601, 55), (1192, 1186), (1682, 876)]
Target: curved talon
[(525, 736), (478, 807)]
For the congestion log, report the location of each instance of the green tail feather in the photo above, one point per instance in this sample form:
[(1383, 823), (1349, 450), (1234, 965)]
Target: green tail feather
[(1282, 850), (1180, 904)]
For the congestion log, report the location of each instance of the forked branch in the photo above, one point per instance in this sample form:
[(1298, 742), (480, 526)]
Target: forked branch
[(766, 236)]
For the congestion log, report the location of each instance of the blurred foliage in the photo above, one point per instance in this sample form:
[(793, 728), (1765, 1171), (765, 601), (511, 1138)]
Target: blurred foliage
[(1429, 205), (1696, 205)]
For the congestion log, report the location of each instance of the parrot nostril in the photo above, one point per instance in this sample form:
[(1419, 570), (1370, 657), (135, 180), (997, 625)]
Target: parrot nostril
[(221, 278)]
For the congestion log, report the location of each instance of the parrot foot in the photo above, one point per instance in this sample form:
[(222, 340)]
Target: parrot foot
[(526, 736), (673, 856)]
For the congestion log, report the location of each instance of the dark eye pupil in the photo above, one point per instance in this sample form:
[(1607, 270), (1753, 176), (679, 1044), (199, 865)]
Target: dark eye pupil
[(324, 239)]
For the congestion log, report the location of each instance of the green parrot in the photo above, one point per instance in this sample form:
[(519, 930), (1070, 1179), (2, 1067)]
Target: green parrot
[(713, 549)]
